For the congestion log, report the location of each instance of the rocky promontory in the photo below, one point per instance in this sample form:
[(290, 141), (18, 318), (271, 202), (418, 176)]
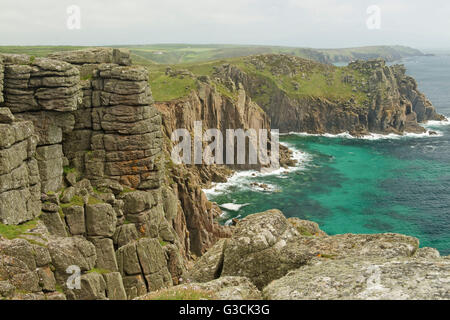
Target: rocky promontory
[(92, 206), (271, 257), (300, 95)]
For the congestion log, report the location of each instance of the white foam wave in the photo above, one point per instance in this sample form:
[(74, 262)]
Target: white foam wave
[(372, 136), (247, 180), (436, 123), (233, 206)]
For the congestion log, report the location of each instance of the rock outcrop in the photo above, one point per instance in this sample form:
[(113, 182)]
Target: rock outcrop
[(365, 279), (81, 156), (293, 259), (20, 185), (215, 110), (374, 97), (224, 288)]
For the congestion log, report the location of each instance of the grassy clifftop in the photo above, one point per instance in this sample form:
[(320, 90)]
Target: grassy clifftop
[(297, 77), (185, 53)]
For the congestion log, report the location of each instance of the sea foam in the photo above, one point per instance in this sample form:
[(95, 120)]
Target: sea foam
[(373, 136), (248, 180)]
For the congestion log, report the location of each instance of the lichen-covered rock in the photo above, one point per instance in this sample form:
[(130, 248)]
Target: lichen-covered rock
[(94, 56), (263, 248), (145, 257), (74, 216), (365, 278), (134, 286), (18, 274), (137, 202), (6, 289), (306, 227), (6, 116), (37, 84), (388, 245), (47, 279), (92, 287), (209, 266), (225, 288), (427, 253), (153, 264), (100, 220), (19, 176), (106, 256), (175, 263), (45, 92), (71, 251), (114, 286), (125, 234), (54, 223)]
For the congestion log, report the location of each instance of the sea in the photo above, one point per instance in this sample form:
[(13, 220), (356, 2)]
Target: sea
[(374, 184)]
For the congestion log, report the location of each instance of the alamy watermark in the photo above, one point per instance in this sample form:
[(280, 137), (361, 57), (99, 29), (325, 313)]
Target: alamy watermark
[(373, 22), (74, 17), (74, 281), (231, 149)]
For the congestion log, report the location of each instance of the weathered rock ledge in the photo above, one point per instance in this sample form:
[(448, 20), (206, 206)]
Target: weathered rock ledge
[(294, 259)]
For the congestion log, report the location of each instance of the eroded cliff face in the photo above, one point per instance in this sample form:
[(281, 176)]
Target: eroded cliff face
[(217, 111), (83, 183), (375, 97)]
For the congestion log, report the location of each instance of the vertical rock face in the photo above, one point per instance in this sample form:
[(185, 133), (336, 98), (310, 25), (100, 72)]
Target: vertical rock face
[(90, 113), (117, 130), (20, 188), (215, 111), (43, 91), (127, 136), (2, 69)]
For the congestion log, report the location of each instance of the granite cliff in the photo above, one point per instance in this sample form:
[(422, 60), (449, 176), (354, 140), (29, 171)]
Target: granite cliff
[(83, 182), (304, 96), (88, 189)]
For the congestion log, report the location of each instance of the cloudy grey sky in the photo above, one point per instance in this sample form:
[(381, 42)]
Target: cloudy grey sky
[(305, 23)]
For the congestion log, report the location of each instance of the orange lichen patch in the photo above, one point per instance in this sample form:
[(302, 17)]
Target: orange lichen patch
[(132, 181)]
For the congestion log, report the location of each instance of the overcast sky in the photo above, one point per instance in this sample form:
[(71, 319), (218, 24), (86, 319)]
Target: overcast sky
[(304, 23)]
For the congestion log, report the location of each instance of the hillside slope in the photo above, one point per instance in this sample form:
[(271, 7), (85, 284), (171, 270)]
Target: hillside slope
[(188, 53), (305, 96)]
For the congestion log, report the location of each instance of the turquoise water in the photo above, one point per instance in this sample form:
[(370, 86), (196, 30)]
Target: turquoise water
[(363, 185)]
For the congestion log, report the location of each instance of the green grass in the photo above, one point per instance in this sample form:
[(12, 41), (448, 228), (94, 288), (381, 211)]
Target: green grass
[(37, 51), (75, 201), (14, 231), (180, 294), (94, 200), (320, 81), (166, 88), (99, 270), (304, 232), (188, 53), (97, 191), (68, 169)]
